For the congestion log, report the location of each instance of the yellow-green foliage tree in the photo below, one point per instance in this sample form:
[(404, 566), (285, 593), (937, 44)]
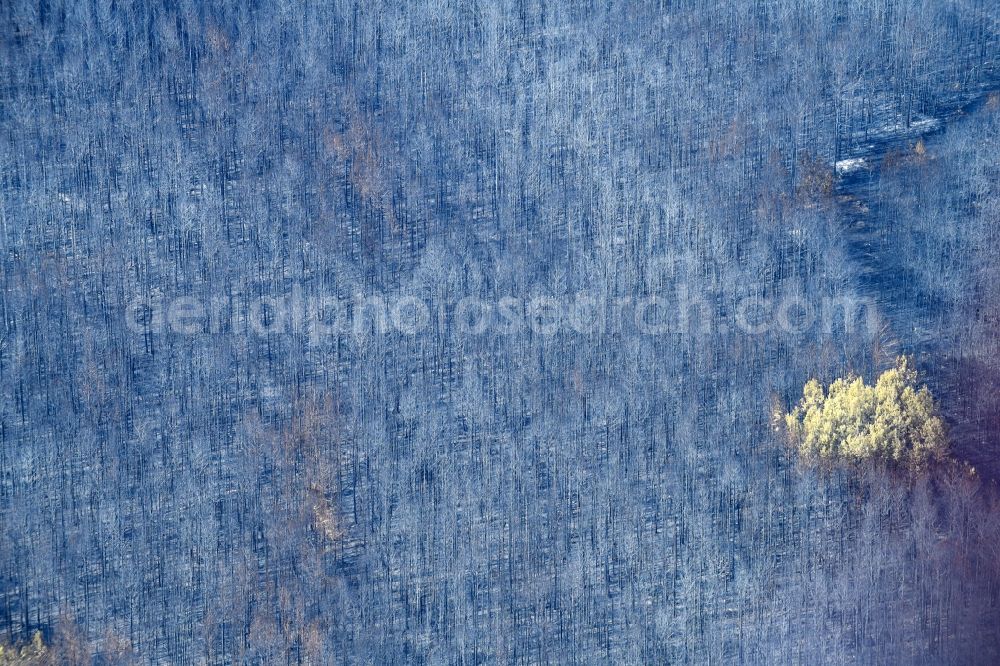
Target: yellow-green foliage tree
[(32, 654), (893, 421)]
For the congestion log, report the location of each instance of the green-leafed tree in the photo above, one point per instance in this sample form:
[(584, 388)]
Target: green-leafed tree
[(894, 420), (30, 654)]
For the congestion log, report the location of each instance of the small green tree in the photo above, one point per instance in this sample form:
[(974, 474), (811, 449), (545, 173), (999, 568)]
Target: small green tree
[(31, 654), (894, 420)]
